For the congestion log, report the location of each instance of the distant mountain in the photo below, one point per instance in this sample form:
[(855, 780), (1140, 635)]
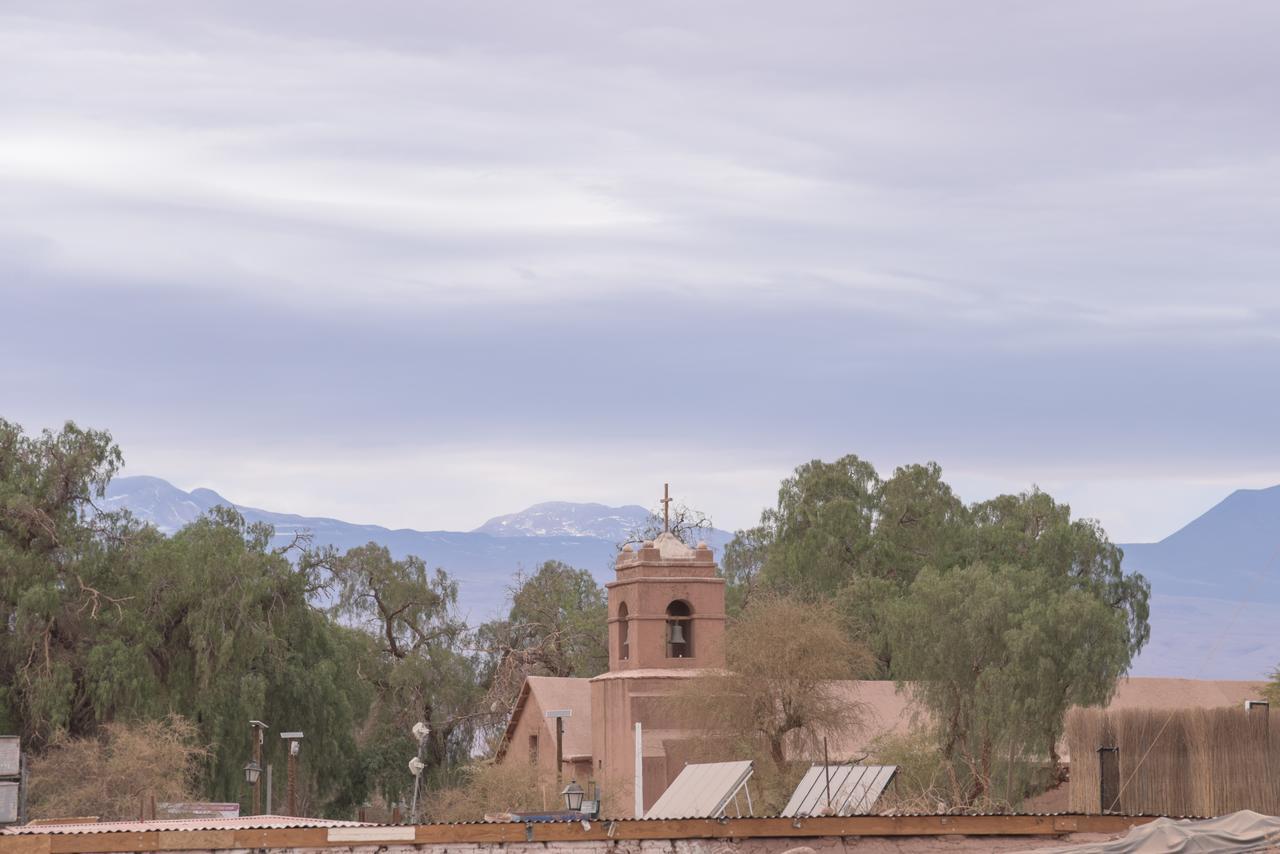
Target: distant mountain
[(566, 519), (1232, 551), (160, 502), (482, 561), (1215, 583)]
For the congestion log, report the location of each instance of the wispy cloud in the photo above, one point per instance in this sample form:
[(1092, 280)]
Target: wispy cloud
[(1022, 240)]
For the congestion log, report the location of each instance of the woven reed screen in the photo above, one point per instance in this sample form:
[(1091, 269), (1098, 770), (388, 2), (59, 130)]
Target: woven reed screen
[(1191, 762)]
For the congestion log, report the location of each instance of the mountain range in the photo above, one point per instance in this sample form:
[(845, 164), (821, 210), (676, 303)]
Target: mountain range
[(1215, 588), (483, 561), (1214, 581), (1230, 551)]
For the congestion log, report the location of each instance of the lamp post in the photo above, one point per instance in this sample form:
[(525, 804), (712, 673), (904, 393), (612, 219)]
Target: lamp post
[(420, 731), (257, 731), (573, 795), (293, 738), (252, 770)]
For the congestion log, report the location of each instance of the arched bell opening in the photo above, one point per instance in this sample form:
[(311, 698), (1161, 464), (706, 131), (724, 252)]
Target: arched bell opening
[(679, 630)]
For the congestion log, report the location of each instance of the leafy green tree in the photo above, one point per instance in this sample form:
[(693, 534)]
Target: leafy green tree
[(1033, 530), (418, 664), (58, 575), (741, 567), (998, 654), (557, 626), (230, 635), (919, 523), (820, 533), (1001, 614), (110, 621)]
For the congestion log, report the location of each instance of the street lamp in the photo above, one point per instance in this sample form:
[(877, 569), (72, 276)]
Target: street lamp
[(420, 731), (251, 771), (573, 795)]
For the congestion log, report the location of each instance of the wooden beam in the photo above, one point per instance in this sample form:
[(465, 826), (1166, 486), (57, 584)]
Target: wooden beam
[(124, 842)]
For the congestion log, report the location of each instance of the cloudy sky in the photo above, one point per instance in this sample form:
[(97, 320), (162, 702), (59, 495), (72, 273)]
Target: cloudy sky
[(419, 264)]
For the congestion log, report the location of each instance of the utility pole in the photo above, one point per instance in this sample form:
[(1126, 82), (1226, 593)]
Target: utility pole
[(293, 738), (638, 785), (257, 731), (560, 715)]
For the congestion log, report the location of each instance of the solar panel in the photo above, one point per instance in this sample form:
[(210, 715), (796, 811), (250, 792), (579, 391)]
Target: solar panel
[(851, 789), (702, 790)]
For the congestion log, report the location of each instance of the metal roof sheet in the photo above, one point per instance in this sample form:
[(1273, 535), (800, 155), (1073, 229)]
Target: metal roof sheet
[(248, 822), (852, 789), (702, 790)]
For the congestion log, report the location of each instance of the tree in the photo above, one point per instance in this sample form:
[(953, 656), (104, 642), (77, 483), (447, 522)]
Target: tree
[(919, 523), (557, 626), (997, 654), (741, 565), (682, 520), (57, 574), (778, 696), (110, 621), (417, 663), (257, 649), (109, 774), (1042, 613), (1031, 529), (820, 533)]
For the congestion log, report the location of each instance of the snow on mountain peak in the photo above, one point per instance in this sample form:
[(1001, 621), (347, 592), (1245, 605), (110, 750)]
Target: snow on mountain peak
[(568, 519)]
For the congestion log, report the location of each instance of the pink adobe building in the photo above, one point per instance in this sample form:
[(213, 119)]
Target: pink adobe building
[(667, 625)]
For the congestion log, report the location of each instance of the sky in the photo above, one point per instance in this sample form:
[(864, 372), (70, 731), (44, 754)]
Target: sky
[(419, 264)]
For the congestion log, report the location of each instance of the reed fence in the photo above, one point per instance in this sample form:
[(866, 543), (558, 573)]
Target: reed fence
[(1188, 762)]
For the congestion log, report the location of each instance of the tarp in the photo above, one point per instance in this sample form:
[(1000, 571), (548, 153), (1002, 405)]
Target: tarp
[(702, 790), (851, 790), (1239, 831)]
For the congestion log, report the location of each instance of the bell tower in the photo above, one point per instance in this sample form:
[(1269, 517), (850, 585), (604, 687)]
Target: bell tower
[(666, 607), (666, 626)]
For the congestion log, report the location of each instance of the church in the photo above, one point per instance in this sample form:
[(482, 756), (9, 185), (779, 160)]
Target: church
[(666, 612), (666, 623)]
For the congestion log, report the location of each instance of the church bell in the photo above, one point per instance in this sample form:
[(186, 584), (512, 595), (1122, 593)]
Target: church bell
[(677, 633)]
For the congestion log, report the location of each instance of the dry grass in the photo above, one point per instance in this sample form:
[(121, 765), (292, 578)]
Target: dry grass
[(1196, 762), (779, 696), (110, 775), (488, 788), (927, 783)]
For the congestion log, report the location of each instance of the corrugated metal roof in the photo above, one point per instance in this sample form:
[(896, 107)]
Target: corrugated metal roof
[(702, 790), (853, 789), (248, 822)]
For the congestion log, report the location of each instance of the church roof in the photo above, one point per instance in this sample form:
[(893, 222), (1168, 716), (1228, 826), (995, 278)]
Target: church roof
[(885, 709), (547, 693), (888, 711)]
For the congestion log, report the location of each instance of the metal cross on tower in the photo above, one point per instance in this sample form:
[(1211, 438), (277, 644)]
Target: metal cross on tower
[(666, 508)]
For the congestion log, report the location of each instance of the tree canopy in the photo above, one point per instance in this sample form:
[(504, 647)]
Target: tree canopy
[(998, 615)]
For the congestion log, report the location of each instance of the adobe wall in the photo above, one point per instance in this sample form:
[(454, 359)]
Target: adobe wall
[(821, 845), (616, 704), (532, 722)]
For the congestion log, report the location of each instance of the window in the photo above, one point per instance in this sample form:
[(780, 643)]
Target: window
[(679, 630), (624, 633), (533, 750)]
